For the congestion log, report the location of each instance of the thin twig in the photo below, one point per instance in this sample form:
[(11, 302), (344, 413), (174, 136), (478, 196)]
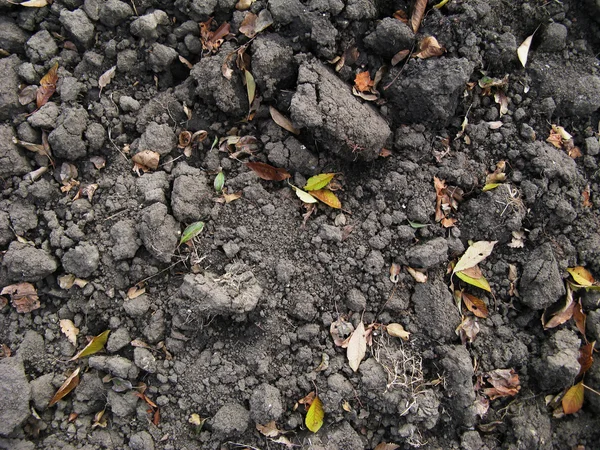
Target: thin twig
[(387, 86)]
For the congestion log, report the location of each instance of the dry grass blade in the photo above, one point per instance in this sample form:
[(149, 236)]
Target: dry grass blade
[(417, 14)]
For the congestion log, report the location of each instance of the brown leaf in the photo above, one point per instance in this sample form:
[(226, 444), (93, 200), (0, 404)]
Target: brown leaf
[(307, 399), (70, 383), (468, 329), (586, 357), (505, 381), (28, 94), (47, 86), (188, 64), (429, 47), (579, 317), (385, 153), (385, 446), (231, 197), (268, 172), (473, 272), (573, 399), (440, 188), (401, 16), (475, 305), (340, 331), (185, 139), (24, 297), (145, 160), (135, 291), (400, 56), (211, 41), (357, 347), (448, 222), (282, 121), (106, 78), (418, 13), (562, 315), (586, 197), (269, 430), (363, 82), (501, 98), (248, 26), (3, 302)]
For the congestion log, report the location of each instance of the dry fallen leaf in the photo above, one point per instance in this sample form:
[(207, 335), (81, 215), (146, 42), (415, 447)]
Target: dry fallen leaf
[(397, 330), (476, 253), (523, 50), (475, 305), (341, 331), (579, 317), (418, 13), (357, 347), (47, 86), (563, 314), (35, 3), (501, 98), (420, 277), (69, 330), (269, 430), (70, 383), (23, 296), (248, 26), (28, 94), (587, 203), (282, 121), (429, 47), (94, 346), (106, 78), (468, 329), (363, 82), (400, 56), (135, 291), (268, 172), (505, 382), (328, 197), (385, 446), (145, 161), (581, 276), (586, 357), (573, 399), (188, 64), (448, 222)]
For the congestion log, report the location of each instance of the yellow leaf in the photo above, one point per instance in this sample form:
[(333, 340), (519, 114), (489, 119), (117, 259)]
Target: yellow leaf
[(327, 197), (573, 399), (304, 196), (250, 86), (441, 4), (95, 345), (481, 283), (490, 186), (318, 181), (315, 415), (69, 384), (581, 276)]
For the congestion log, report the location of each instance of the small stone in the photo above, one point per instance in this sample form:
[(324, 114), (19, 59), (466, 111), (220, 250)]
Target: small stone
[(82, 260), (117, 340), (15, 393), (161, 57), (429, 254), (24, 262), (137, 307), (79, 27), (231, 420), (355, 300), (266, 404), (113, 12), (41, 47), (144, 359)]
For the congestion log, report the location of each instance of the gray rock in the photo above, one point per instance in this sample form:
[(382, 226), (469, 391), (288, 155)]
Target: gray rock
[(158, 138), (45, 117), (69, 89), (82, 260), (24, 262), (361, 9), (272, 63), (146, 26), (125, 240), (342, 435), (92, 9), (23, 217), (266, 404), (9, 98), (141, 441), (532, 428), (129, 104), (435, 312), (137, 307), (115, 365), (191, 198), (155, 330), (374, 262), (122, 405), (301, 159), (202, 296), (40, 48), (554, 38), (286, 11), (558, 365), (325, 105), (230, 248), (355, 300), (161, 57), (95, 134), (460, 395), (428, 90), (541, 284), (113, 12), (330, 233), (552, 162), (15, 393), (592, 324), (159, 231), (90, 395), (228, 95), (117, 340), (79, 27), (144, 359), (390, 36), (42, 391), (592, 146), (152, 187), (12, 37), (429, 254), (302, 305), (202, 9), (127, 61), (6, 233), (471, 440), (32, 348), (67, 138), (231, 420)]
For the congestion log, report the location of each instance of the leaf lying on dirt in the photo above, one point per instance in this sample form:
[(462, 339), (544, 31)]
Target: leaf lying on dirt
[(400, 56), (417, 225), (231, 197), (357, 347), (476, 253), (282, 121), (518, 238), (501, 98), (562, 315), (47, 86), (35, 3), (211, 41), (586, 357), (480, 282), (40, 149), (418, 13), (579, 317), (106, 78), (573, 399), (145, 161), (250, 86), (498, 175), (307, 400), (94, 346), (340, 331), (363, 82), (315, 415), (318, 181), (420, 277), (304, 196), (69, 330), (476, 305), (248, 26), (27, 94), (267, 172), (490, 186), (191, 231), (505, 382), (397, 330), (328, 197), (448, 222), (523, 50), (324, 364), (429, 47), (468, 329), (581, 276), (219, 181), (269, 430), (23, 296), (70, 383), (394, 272), (136, 290)]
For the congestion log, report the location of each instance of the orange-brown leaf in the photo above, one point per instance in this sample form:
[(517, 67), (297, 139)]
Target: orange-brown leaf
[(505, 381), (579, 317), (475, 305), (417, 14), (401, 55), (268, 172), (282, 121), (573, 399), (448, 222), (586, 357), (327, 197), (363, 81), (69, 384), (564, 314), (47, 86), (146, 160), (248, 26), (401, 16), (586, 197), (386, 446)]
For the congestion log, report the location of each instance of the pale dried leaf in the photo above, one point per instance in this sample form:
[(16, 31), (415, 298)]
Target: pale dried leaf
[(34, 3), (429, 47), (188, 64), (357, 347), (146, 160), (420, 277), (23, 296), (468, 329), (523, 50), (69, 330), (476, 253), (106, 78), (28, 94), (282, 121), (417, 14), (397, 330)]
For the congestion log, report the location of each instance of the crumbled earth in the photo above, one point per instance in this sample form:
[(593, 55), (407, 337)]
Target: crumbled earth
[(234, 325)]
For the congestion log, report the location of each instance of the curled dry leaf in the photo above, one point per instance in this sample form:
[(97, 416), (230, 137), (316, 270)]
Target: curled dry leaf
[(468, 329), (579, 317), (363, 82), (269, 430), (418, 275), (501, 98), (394, 272), (581, 276), (188, 64), (307, 399), (418, 13), (340, 331), (94, 346), (248, 26), (573, 399), (146, 160), (429, 47), (282, 121), (47, 86), (385, 446), (357, 347), (397, 330), (185, 139), (70, 383), (135, 291), (586, 357), (67, 281), (448, 222), (562, 315), (518, 238), (23, 296), (268, 172), (106, 78), (523, 50), (324, 364), (505, 383), (69, 330), (250, 86), (587, 203), (400, 56)]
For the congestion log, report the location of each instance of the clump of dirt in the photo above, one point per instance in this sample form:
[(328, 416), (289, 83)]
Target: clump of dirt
[(216, 333)]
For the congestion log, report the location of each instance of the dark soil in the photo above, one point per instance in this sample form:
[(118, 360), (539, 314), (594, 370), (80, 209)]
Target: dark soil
[(233, 324)]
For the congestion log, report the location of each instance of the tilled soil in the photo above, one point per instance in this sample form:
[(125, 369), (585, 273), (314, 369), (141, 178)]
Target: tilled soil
[(234, 325)]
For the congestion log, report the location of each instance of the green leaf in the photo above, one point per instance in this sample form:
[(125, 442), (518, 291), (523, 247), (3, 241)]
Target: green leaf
[(95, 345), (250, 86), (304, 196), (318, 181), (315, 415), (215, 142), (490, 186), (219, 181), (191, 232), (481, 283), (417, 225)]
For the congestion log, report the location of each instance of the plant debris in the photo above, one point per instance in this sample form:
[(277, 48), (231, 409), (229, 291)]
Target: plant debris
[(47, 86), (94, 346), (70, 383), (24, 297)]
